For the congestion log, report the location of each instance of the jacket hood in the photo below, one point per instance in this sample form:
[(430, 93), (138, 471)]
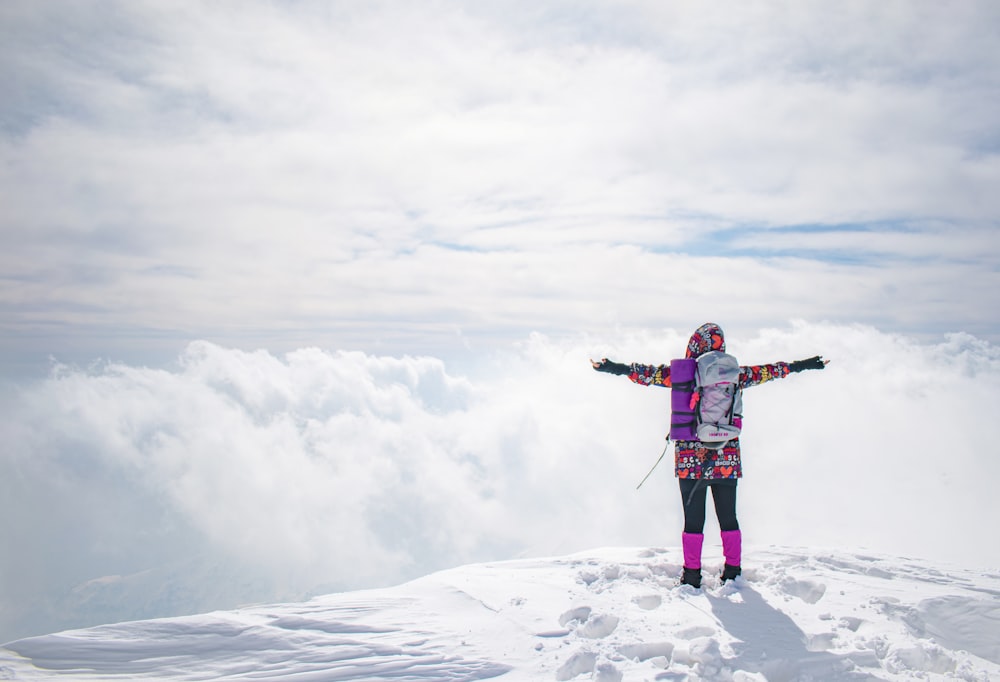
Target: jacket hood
[(707, 337)]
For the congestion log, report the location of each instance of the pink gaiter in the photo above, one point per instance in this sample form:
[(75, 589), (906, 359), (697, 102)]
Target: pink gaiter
[(692, 550), (732, 546)]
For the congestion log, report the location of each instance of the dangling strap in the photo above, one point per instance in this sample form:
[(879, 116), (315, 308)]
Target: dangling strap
[(662, 454), (709, 460), (693, 490)]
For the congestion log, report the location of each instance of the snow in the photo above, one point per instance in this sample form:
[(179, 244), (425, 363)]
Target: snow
[(608, 615)]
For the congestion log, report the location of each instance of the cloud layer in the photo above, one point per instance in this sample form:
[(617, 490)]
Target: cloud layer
[(238, 476)]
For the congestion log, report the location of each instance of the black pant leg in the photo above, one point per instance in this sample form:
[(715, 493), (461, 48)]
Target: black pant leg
[(724, 497), (694, 504)]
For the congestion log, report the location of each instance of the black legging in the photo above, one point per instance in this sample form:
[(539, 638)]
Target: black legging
[(724, 496)]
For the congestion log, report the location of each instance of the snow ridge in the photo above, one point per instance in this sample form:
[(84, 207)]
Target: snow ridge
[(607, 615)]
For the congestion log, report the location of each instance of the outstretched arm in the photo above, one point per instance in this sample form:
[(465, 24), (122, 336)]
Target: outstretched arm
[(754, 375), (644, 375)]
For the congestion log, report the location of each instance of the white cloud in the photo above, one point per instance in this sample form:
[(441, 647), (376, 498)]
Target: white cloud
[(345, 469), (377, 177)]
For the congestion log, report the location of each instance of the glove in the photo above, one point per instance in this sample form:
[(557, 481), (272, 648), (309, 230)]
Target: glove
[(812, 363), (606, 365)]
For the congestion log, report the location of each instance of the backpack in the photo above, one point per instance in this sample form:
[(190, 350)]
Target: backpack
[(706, 400)]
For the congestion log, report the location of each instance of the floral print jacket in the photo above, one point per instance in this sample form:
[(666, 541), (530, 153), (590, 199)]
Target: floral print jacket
[(690, 459)]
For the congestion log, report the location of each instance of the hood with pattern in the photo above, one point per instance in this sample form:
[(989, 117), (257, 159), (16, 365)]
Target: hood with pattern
[(707, 337)]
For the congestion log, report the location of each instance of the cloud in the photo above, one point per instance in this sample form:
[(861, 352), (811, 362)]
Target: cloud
[(367, 175), (239, 476)]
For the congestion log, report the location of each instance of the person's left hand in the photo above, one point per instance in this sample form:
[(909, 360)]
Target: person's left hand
[(816, 362)]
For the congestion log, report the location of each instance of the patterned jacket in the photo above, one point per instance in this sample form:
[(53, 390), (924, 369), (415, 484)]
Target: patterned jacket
[(690, 459)]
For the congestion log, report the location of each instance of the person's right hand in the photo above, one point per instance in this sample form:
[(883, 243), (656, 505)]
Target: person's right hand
[(605, 365)]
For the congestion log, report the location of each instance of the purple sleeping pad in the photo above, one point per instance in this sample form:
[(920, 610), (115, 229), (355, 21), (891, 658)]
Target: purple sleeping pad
[(682, 426)]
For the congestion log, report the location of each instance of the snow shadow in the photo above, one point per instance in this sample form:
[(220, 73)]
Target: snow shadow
[(773, 645)]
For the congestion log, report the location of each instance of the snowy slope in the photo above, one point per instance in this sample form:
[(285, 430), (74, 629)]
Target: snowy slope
[(612, 614)]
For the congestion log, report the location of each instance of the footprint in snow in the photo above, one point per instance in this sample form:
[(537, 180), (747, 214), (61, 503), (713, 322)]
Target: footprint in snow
[(579, 663), (647, 602), (647, 650), (579, 614), (608, 573), (588, 624), (598, 627), (806, 590), (583, 662), (695, 632)]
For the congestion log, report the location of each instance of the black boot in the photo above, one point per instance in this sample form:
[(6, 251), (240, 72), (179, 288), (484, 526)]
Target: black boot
[(692, 577), (730, 572)]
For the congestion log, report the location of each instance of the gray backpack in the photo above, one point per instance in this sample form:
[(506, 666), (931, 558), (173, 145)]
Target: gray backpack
[(718, 399)]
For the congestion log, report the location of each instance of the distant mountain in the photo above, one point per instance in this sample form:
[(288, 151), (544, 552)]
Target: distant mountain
[(184, 587)]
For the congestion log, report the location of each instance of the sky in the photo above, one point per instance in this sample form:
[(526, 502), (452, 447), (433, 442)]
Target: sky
[(428, 177), (276, 273)]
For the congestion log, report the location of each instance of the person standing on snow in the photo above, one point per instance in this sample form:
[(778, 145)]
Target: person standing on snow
[(698, 467)]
